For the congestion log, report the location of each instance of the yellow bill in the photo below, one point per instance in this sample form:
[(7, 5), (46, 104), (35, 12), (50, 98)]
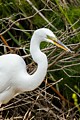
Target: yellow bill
[(58, 43)]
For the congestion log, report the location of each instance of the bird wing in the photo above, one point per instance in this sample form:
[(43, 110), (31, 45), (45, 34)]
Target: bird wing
[(4, 82), (10, 66)]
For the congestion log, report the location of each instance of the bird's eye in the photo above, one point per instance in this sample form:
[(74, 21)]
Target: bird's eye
[(49, 37), (52, 38)]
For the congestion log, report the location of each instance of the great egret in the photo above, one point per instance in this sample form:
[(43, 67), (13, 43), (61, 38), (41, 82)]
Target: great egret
[(14, 78)]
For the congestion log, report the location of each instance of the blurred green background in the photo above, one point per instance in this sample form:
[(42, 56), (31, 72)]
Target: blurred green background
[(18, 20)]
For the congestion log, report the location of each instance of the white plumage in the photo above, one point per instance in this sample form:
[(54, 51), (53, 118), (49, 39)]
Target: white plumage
[(14, 78)]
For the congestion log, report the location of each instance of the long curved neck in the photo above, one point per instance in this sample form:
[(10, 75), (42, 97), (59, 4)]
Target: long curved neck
[(41, 60), (31, 82)]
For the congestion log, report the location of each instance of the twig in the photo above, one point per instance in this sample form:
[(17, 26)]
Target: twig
[(4, 41), (72, 90), (41, 14), (58, 93)]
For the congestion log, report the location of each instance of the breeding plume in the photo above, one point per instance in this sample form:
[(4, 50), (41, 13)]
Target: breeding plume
[(14, 78)]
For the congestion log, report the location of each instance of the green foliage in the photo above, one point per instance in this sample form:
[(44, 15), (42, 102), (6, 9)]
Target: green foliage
[(75, 98), (66, 22), (74, 15)]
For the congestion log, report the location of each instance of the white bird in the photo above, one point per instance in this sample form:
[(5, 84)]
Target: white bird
[(14, 78)]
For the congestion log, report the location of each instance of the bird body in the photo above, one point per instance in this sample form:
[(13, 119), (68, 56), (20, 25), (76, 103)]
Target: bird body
[(14, 78), (10, 66)]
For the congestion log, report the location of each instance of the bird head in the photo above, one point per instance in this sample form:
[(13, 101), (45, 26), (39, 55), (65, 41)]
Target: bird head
[(47, 35)]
